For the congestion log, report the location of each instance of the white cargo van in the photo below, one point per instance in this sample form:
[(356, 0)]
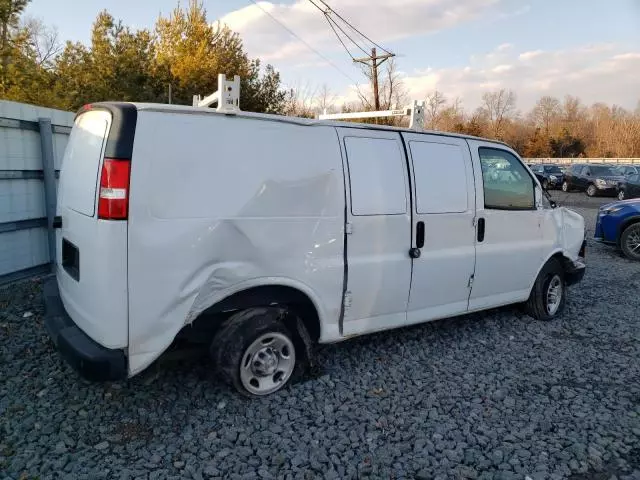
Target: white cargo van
[(263, 235)]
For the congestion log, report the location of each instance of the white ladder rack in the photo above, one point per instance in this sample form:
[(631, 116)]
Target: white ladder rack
[(227, 96), (415, 112)]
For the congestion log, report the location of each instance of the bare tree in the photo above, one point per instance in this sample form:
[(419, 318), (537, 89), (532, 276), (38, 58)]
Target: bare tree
[(499, 107), (391, 88), (326, 99), (300, 101), (452, 117), (43, 39), (571, 109), (435, 105), (546, 111)]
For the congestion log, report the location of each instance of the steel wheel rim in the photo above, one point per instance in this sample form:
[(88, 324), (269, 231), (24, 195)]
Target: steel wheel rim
[(591, 190), (267, 364), (554, 295), (633, 242), (621, 195), (565, 187)]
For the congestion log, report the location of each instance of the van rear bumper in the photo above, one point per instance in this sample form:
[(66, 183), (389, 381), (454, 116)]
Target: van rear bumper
[(89, 358)]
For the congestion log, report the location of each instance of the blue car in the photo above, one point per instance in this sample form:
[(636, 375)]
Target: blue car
[(619, 224)]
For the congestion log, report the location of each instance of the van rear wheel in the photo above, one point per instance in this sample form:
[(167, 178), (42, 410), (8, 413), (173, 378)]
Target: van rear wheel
[(549, 293), (255, 352)]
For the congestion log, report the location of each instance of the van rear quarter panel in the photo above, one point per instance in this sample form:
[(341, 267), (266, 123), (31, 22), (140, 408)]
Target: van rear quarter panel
[(222, 203)]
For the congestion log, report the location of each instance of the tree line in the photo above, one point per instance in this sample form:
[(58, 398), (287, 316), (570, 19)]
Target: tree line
[(552, 128), (183, 53), (180, 57)]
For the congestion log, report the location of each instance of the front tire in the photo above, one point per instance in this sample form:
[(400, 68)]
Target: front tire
[(621, 195), (256, 353), (565, 187), (630, 242), (592, 190), (549, 294)]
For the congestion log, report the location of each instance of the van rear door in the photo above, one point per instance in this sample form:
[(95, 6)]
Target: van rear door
[(91, 256)]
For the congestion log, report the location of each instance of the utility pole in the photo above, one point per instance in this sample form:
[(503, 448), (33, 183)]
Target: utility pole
[(374, 61), (374, 73)]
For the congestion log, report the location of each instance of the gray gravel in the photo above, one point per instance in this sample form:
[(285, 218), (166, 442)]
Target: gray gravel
[(491, 395)]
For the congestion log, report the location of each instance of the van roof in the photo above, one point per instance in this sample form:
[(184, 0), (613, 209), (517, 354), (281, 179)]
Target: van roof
[(160, 107)]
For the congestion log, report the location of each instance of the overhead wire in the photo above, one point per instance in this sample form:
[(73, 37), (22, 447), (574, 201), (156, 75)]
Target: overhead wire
[(349, 24), (291, 32), (331, 23)]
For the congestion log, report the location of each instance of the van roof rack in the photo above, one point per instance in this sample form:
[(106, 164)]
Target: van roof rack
[(227, 96), (415, 112)]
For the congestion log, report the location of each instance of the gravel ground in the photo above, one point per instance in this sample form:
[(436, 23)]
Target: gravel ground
[(491, 395)]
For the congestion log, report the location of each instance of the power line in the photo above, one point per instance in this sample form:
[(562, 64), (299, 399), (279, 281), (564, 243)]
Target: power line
[(291, 32), (331, 23), (331, 20), (373, 60), (349, 24), (340, 40)]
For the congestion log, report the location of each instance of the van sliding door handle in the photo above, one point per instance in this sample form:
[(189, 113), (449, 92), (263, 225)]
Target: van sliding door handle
[(420, 234), (480, 230)]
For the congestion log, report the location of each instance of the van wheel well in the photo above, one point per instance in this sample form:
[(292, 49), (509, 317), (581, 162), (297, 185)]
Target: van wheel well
[(264, 296)]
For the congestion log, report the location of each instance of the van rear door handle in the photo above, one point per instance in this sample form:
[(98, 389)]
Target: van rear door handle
[(57, 222), (480, 230)]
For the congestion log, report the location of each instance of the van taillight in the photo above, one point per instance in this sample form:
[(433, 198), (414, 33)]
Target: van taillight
[(113, 203)]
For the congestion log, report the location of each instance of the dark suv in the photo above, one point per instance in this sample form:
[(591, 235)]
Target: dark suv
[(550, 176), (593, 179)]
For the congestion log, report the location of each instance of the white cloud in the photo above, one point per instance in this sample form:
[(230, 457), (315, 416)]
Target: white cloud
[(627, 56), (502, 68), (530, 55), (595, 73), (384, 21)]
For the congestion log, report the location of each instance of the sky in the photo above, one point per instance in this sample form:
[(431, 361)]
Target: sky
[(463, 48)]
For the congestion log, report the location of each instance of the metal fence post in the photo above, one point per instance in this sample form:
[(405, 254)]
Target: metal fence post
[(50, 196)]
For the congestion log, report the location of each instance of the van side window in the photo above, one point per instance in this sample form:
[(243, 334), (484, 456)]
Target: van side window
[(507, 184), (440, 177), (376, 176)]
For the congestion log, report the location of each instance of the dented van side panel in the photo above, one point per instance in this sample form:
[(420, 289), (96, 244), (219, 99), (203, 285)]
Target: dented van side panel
[(258, 203)]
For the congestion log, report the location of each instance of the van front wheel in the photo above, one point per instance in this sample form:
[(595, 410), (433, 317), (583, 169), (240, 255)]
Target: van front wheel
[(255, 352), (549, 293)]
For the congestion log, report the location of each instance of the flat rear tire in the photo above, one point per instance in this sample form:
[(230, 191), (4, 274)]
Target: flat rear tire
[(256, 353)]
